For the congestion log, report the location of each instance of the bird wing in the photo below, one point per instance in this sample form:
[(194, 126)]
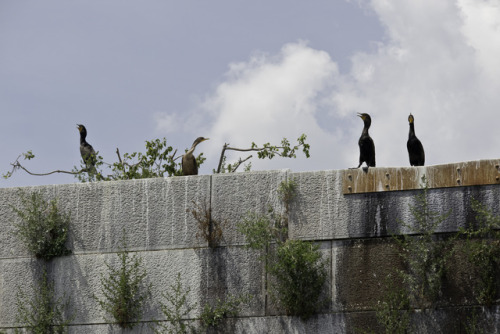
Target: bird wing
[(88, 154)]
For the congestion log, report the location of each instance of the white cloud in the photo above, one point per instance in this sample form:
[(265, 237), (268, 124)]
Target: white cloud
[(166, 122), (439, 61), (271, 97)]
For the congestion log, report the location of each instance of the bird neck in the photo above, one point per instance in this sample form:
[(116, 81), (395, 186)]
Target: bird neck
[(83, 135), (366, 127), (191, 150), (412, 130)]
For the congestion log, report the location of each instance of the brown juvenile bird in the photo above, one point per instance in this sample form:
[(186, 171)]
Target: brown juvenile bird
[(86, 150), (366, 145), (189, 165), (415, 148)]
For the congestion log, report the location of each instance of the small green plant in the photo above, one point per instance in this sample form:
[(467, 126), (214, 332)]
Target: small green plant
[(393, 313), (209, 229), (124, 289), (472, 324), (43, 229), (482, 248), (300, 276), (424, 255), (260, 230), (425, 258), (176, 309), (297, 267), (287, 190), (41, 314), (211, 316)]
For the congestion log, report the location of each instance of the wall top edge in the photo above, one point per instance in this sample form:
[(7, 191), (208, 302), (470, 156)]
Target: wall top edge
[(383, 179)]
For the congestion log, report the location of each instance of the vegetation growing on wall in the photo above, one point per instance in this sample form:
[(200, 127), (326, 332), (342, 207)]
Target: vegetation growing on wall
[(482, 250), (209, 229), (124, 290), (176, 310), (427, 259), (424, 255), (420, 283), (297, 269), (211, 316), (300, 276), (43, 229), (393, 312), (41, 313)]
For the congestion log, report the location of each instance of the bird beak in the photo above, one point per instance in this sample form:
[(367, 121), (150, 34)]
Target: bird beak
[(206, 139)]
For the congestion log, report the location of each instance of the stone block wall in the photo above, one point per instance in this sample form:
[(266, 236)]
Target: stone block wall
[(353, 231)]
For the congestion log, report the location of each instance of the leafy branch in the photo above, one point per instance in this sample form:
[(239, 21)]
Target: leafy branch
[(28, 156), (266, 151), (159, 160)]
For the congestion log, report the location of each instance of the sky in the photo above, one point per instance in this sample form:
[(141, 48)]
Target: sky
[(239, 72)]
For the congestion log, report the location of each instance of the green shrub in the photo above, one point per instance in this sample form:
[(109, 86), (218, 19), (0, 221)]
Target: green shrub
[(211, 316), (393, 312), (41, 314), (209, 229), (124, 289), (482, 249), (177, 308), (259, 230), (297, 267), (43, 230), (425, 259), (424, 255), (300, 276)]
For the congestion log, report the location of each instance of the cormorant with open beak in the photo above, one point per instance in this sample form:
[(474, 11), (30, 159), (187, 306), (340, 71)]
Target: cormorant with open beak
[(86, 150)]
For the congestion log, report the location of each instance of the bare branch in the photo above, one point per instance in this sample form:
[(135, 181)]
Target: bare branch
[(173, 155), (256, 149), (119, 157), (17, 165), (236, 165), (222, 157)]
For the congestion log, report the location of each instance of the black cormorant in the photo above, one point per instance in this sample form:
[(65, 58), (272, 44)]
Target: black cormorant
[(86, 150), (366, 145), (415, 148), (189, 166)]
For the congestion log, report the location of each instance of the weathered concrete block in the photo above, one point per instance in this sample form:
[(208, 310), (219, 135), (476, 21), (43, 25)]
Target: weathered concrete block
[(234, 195), (360, 268), (152, 211), (321, 211), (16, 274), (209, 274), (232, 271), (77, 279)]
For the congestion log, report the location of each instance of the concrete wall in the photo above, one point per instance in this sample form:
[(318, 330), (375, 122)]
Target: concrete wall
[(353, 232)]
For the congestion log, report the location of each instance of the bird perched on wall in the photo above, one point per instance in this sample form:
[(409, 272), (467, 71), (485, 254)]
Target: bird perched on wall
[(366, 145), (415, 148), (189, 165), (86, 150)]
